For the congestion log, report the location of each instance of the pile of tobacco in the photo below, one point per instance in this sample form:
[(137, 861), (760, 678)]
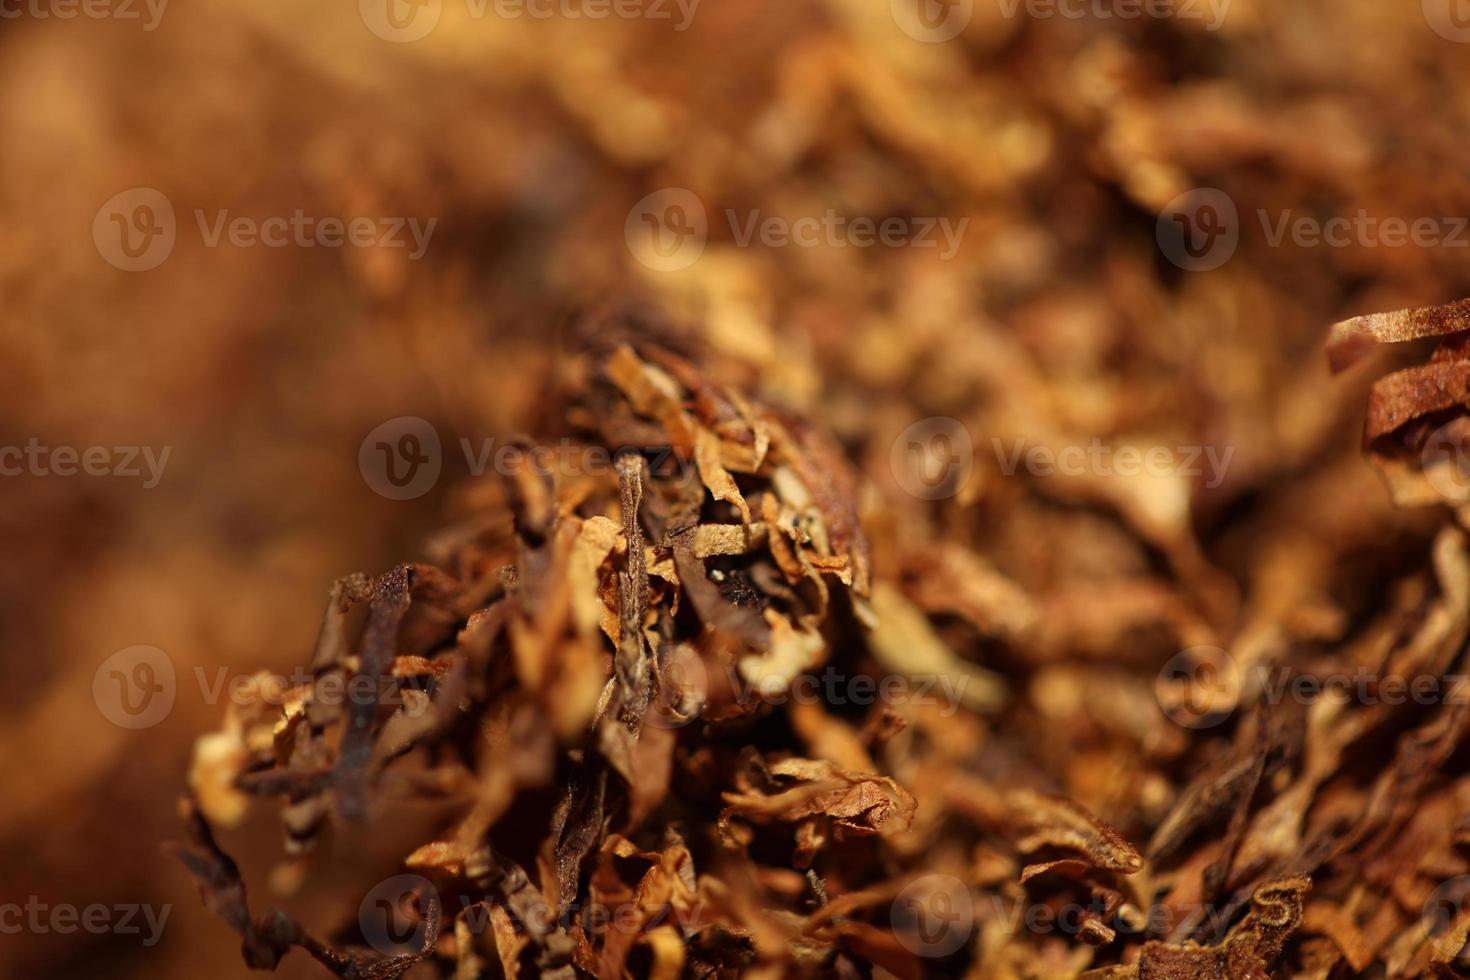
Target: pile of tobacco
[(1015, 598), (723, 699)]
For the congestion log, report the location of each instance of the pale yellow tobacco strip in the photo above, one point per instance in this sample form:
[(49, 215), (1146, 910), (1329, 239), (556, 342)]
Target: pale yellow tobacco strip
[(1351, 339)]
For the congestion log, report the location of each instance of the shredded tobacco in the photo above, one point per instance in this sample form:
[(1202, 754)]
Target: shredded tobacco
[(607, 692)]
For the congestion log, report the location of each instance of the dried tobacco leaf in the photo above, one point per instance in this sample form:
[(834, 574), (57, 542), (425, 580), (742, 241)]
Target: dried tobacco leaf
[(660, 670)]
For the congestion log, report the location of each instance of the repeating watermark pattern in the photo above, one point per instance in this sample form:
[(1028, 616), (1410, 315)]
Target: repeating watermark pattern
[(933, 458), (1446, 905), (933, 916), (1363, 230), (932, 21), (401, 21), (835, 230), (1201, 687), (393, 916), (1450, 19), (1445, 461), (1079, 919), (1201, 230), (1100, 459), (1198, 688), (684, 689), (1362, 686), (667, 230), (126, 919), (405, 21), (129, 462), (401, 458), (149, 12), (937, 21), (565, 458), (135, 687), (137, 230), (301, 230), (334, 689), (1211, 12), (831, 687)]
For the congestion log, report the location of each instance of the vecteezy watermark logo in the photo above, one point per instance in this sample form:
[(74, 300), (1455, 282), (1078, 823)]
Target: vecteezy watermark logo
[(1359, 686), (666, 231), (932, 21), (1100, 459), (1450, 19), (135, 230), (134, 688), (1445, 460), (35, 459), (1213, 12), (138, 687), (833, 230), (90, 9), (394, 916), (683, 690), (1364, 230), (834, 688), (400, 459), (1199, 687), (933, 916), (1079, 920), (400, 21), (39, 918), (932, 459), (334, 688), (301, 230), (1446, 904), (683, 10), (1199, 230)]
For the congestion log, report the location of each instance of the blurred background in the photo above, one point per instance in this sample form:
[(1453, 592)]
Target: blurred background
[(558, 162)]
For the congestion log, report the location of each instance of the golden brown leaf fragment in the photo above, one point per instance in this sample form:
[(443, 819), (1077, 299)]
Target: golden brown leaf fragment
[(1418, 420), (1351, 339)]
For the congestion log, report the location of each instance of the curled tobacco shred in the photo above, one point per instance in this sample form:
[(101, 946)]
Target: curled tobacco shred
[(264, 940), (1418, 419)]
